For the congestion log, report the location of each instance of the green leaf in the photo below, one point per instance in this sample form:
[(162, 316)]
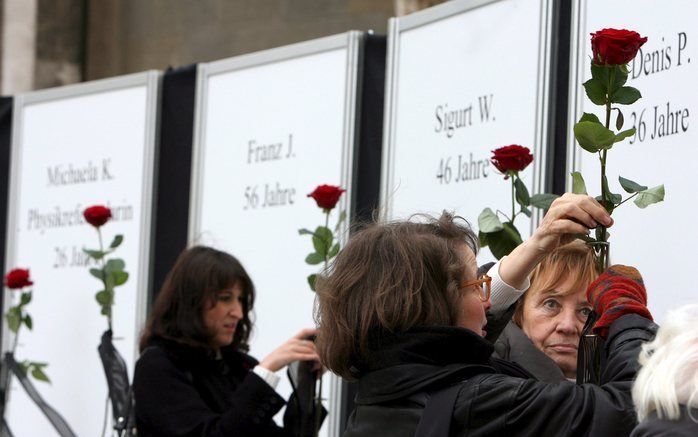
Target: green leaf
[(590, 117), (342, 217), (25, 298), (334, 251), (650, 196), (109, 281), (13, 320), (39, 374), (578, 184), (503, 242), (488, 221), (630, 186), (526, 211), (522, 196), (95, 254), (626, 95), (322, 240), (311, 281), (314, 258), (28, 321), (97, 273), (543, 200), (115, 265), (593, 137), (619, 121), (625, 134), (620, 77), (600, 72), (483, 238), (615, 198), (596, 91), (120, 278), (305, 232), (103, 297), (116, 242)]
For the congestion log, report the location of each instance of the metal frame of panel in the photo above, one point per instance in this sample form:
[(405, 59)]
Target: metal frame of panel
[(352, 41)]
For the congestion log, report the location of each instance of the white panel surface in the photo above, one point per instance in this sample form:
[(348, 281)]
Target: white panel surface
[(660, 240), (465, 78), (74, 147), (272, 127)]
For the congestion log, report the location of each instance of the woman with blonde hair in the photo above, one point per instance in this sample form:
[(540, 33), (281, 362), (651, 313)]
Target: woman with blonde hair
[(666, 388), (543, 336)]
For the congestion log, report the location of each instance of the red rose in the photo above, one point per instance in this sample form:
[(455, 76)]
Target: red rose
[(18, 278), (613, 46), (511, 158), (97, 215), (327, 196)]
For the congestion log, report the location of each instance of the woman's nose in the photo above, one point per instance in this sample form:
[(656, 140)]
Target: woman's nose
[(236, 310), (567, 321), (487, 305)]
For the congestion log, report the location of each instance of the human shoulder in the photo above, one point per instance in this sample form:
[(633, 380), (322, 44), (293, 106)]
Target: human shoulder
[(484, 401)]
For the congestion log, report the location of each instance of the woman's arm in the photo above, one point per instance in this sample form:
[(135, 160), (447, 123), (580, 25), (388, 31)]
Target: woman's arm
[(568, 215)]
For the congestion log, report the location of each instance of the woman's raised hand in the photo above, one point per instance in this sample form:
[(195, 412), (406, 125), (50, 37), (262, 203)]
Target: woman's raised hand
[(568, 215), (296, 348)]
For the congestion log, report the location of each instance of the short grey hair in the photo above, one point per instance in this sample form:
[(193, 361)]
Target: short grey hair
[(669, 374)]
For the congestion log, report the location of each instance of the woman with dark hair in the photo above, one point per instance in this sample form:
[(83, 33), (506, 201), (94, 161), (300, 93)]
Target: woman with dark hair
[(403, 312), (193, 377)]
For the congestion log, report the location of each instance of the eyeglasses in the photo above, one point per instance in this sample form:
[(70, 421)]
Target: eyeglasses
[(483, 284)]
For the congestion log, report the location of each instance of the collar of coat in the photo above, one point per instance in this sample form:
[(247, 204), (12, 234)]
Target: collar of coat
[(193, 356), (400, 364)]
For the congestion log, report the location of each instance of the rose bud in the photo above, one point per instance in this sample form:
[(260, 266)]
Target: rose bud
[(614, 46), (326, 196), (97, 215), (18, 278), (512, 158)]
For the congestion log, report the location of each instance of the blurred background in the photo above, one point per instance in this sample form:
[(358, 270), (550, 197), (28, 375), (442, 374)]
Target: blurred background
[(49, 43)]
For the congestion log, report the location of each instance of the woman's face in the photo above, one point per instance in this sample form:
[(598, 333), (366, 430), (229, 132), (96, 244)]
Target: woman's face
[(472, 309), (554, 319), (222, 318)]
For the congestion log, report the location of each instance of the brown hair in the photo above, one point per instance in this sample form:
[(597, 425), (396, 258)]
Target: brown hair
[(192, 286), (390, 277), (575, 258)]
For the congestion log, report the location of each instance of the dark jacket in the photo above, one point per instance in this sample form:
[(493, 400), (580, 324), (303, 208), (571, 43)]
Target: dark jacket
[(685, 426), (185, 391), (514, 345), (403, 369)]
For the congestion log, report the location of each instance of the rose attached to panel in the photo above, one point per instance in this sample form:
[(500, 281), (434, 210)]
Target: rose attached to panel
[(97, 215), (18, 278), (513, 158), (615, 46), (327, 196)]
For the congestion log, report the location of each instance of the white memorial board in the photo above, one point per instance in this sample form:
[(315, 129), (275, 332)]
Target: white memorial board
[(464, 78), (74, 147), (270, 127), (660, 240)]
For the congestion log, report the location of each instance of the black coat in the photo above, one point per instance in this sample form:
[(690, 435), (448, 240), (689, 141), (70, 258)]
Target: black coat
[(395, 383), (685, 426), (513, 345), (184, 391)]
